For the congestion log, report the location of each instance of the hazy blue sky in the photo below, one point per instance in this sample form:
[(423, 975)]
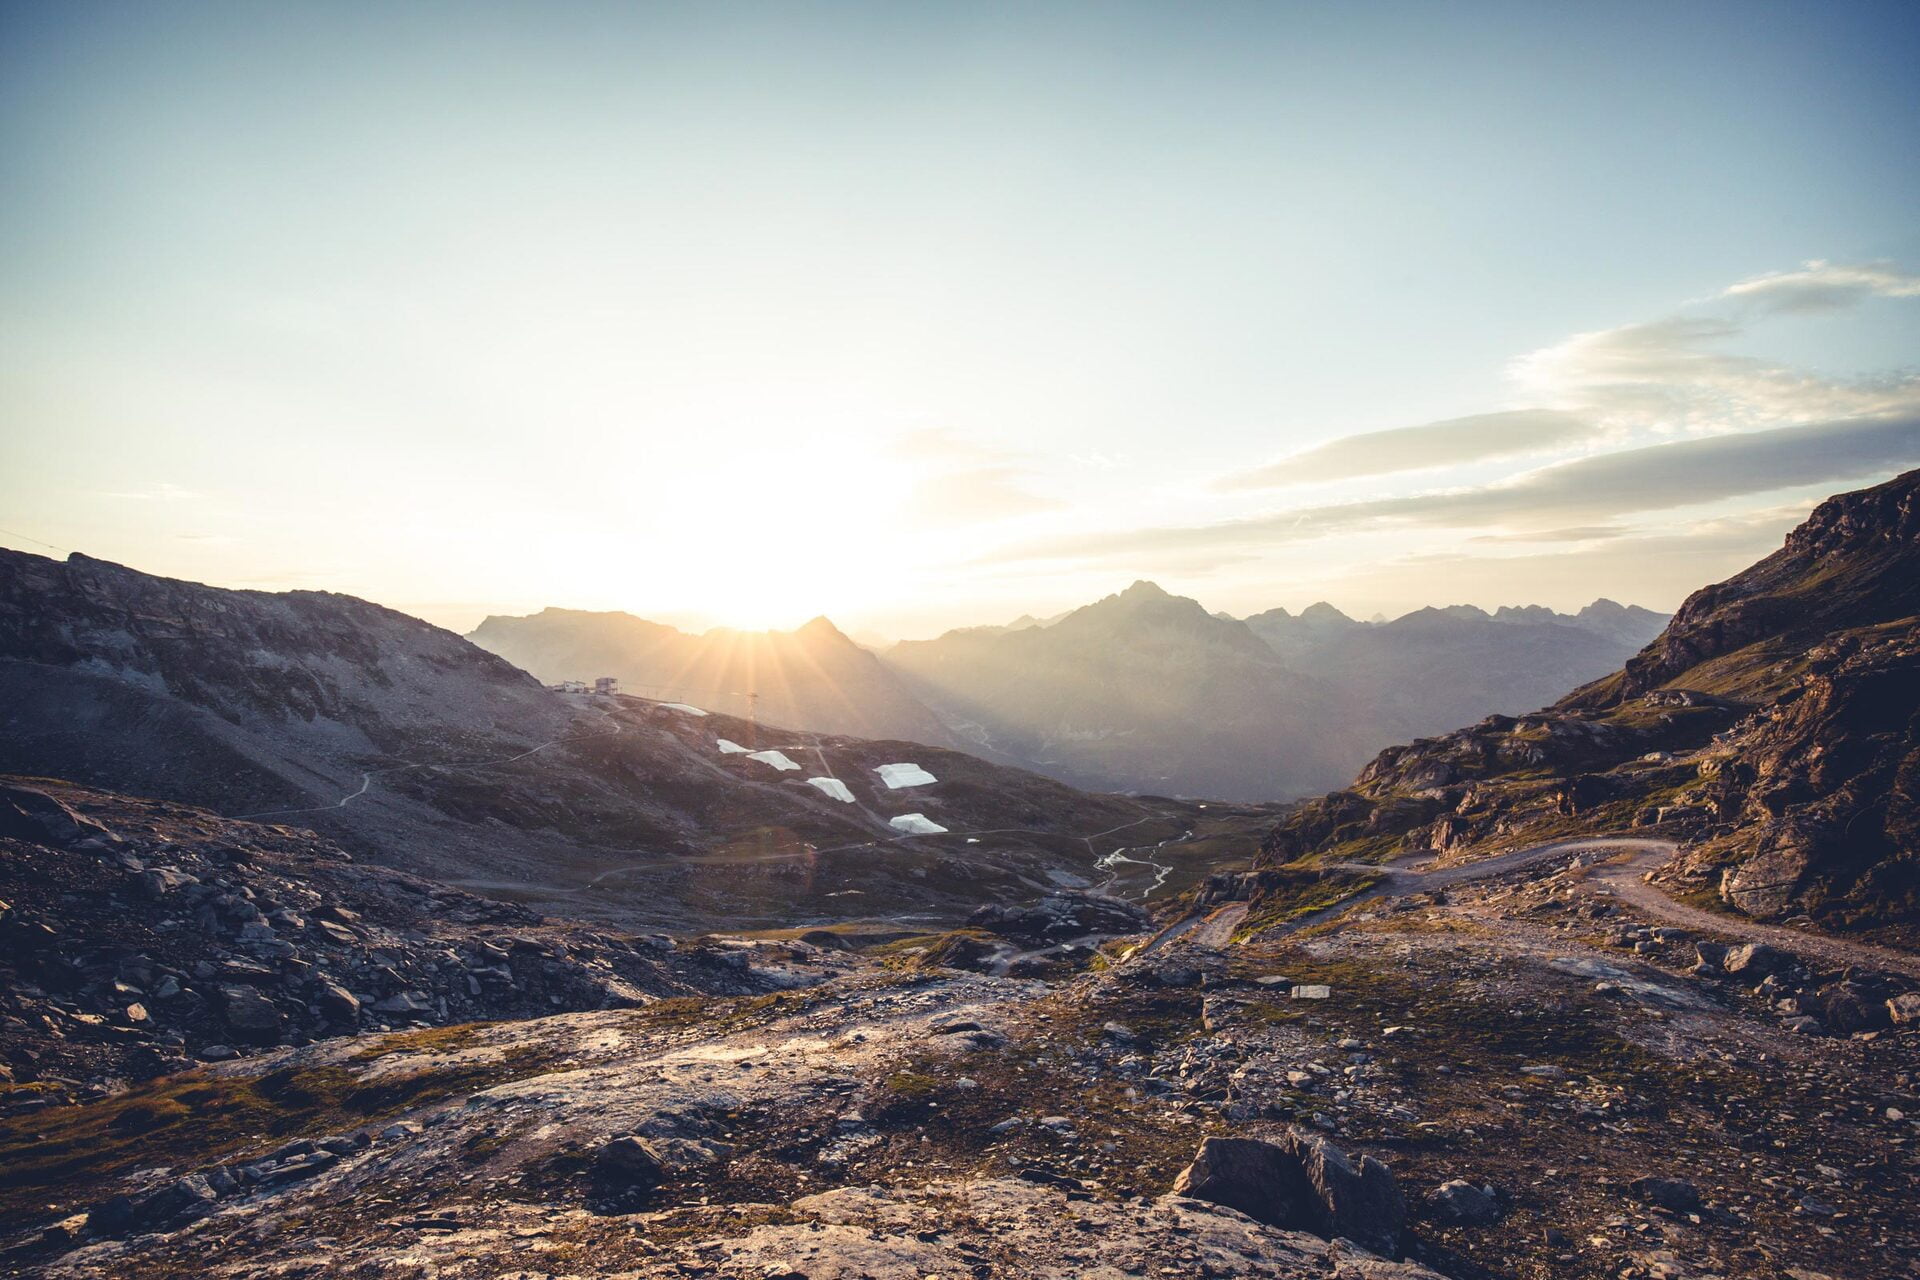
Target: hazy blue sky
[(920, 314)]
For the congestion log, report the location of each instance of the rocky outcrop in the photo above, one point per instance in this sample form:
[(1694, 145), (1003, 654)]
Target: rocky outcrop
[(1303, 1182), (1852, 562)]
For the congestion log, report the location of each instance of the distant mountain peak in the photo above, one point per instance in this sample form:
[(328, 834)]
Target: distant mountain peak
[(820, 628), (1144, 590), (1321, 611)]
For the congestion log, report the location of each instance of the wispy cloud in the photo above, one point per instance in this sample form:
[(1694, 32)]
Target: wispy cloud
[(1480, 437), (977, 495), (1676, 374), (1821, 286), (962, 479), (1652, 478)]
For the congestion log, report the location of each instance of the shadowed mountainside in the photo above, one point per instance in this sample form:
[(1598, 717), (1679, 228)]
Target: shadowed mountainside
[(415, 748)]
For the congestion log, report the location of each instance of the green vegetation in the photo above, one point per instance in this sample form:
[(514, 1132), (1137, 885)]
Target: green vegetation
[(1299, 895), (64, 1156), (434, 1040)]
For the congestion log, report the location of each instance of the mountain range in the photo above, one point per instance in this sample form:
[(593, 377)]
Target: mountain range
[(813, 677), (1143, 691), (415, 748)]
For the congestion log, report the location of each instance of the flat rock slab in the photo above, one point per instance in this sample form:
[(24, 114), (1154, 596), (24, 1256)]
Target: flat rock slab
[(943, 1228)]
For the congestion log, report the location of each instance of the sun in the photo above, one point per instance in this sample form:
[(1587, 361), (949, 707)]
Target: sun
[(780, 536)]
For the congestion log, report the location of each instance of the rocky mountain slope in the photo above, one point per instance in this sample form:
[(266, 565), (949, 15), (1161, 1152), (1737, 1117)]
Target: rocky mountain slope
[(1141, 690), (139, 936), (1148, 691), (1437, 667), (1772, 725), (813, 677), (411, 747)]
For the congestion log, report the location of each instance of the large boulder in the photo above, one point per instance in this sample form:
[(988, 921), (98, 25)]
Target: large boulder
[(1260, 1179), (1847, 1007), (1754, 959), (1360, 1199), (250, 1012), (29, 814), (631, 1161), (1302, 1182), (1461, 1203), (180, 1201), (1668, 1193)]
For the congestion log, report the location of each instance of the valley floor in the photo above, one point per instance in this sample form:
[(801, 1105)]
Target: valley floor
[(1528, 1026)]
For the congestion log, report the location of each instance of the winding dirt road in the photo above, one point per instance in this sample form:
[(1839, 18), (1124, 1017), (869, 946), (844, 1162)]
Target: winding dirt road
[(1624, 881), (1621, 878)]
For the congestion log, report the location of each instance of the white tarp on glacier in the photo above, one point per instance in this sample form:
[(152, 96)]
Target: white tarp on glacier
[(905, 775), (729, 748), (778, 759), (918, 824), (833, 787)]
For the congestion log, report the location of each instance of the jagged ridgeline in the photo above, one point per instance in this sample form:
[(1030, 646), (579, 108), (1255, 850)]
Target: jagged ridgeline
[(1771, 727)]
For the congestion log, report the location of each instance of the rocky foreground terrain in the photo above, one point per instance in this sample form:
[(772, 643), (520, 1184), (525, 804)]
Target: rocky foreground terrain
[(231, 1051)]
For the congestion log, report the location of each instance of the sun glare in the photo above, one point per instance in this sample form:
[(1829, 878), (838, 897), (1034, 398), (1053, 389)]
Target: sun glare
[(781, 535)]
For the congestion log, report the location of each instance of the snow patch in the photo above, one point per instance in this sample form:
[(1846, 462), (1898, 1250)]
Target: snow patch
[(917, 824), (904, 775), (778, 759), (833, 787), (681, 706), (729, 748)]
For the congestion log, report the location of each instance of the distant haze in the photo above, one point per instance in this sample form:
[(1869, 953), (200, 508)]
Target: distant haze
[(925, 315)]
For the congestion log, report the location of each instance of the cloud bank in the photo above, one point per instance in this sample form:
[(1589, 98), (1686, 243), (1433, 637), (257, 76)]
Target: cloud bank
[(1652, 478)]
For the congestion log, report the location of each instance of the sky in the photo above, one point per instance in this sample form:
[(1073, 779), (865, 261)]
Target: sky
[(923, 315)]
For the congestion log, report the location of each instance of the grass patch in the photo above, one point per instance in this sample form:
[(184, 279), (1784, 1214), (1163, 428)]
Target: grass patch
[(59, 1158), (433, 1040), (1300, 894)]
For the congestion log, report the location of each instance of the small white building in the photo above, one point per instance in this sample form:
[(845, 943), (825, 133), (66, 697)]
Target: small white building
[(569, 686)]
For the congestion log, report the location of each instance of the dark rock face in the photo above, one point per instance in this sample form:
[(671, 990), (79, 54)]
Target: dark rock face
[(1853, 556), (182, 1201), (1302, 1182)]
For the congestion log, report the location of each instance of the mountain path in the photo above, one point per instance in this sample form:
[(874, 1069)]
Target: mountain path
[(367, 776), (1624, 881), (1622, 878)]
